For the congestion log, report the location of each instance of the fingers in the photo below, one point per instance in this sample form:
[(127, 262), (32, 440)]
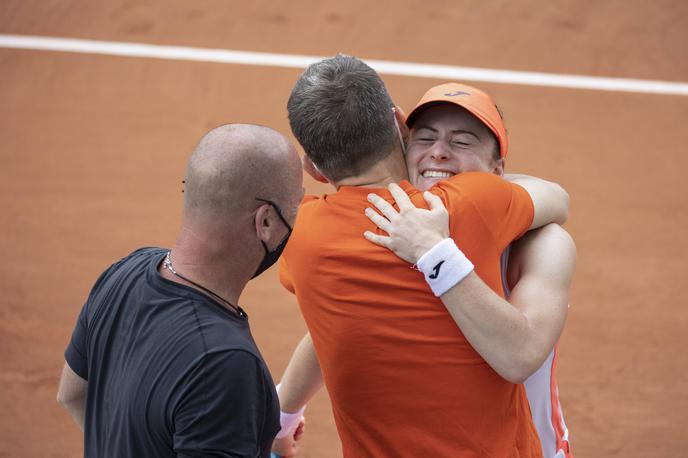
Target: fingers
[(377, 239), (434, 201), (285, 447), (378, 220), (384, 207), (298, 434), (400, 197)]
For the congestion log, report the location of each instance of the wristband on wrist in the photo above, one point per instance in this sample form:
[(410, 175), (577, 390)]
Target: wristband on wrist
[(444, 265), (289, 421)]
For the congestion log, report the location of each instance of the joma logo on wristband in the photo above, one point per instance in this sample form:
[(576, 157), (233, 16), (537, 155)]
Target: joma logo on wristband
[(436, 270)]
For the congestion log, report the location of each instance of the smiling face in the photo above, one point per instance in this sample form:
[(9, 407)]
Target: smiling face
[(446, 140)]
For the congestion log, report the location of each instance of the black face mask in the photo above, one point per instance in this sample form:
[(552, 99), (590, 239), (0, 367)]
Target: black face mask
[(271, 257)]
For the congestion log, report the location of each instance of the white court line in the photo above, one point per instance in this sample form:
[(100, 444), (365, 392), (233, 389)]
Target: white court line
[(445, 72)]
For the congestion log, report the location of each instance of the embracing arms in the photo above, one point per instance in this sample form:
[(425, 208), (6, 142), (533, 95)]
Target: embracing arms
[(513, 338), (550, 201), (516, 337)]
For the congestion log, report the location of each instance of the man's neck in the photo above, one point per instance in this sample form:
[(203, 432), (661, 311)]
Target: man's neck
[(193, 258), (392, 169)]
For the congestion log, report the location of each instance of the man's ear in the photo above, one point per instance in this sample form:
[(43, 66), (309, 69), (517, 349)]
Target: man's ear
[(312, 170), (401, 121), (498, 167), (262, 223)]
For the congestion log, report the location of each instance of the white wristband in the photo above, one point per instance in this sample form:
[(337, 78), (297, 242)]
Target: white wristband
[(444, 265), (289, 421)]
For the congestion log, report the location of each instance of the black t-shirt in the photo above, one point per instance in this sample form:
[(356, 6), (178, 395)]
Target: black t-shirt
[(170, 371)]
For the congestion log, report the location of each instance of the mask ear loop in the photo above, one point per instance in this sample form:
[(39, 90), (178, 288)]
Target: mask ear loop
[(401, 139), (277, 210)]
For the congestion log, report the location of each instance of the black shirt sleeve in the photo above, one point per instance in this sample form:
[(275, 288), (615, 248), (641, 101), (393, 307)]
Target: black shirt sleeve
[(76, 354), (222, 410)]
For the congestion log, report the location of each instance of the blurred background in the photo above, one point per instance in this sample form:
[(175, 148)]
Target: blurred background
[(94, 148)]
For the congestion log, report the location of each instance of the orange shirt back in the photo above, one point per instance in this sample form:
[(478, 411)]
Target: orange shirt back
[(402, 378)]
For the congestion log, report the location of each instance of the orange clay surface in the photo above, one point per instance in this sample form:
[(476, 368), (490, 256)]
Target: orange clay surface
[(93, 150)]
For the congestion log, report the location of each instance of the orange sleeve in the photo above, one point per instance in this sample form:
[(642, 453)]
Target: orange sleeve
[(520, 213), (505, 208)]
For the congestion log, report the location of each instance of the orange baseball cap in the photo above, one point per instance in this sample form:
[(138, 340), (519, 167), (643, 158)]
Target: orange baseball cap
[(472, 99)]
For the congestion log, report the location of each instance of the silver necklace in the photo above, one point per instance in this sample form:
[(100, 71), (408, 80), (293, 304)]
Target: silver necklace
[(167, 264)]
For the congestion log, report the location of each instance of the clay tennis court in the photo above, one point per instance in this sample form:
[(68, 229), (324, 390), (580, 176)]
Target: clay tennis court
[(94, 147)]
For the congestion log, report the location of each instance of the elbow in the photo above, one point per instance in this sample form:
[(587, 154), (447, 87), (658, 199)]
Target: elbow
[(69, 400), (564, 205), (515, 375), (520, 368), (62, 400)]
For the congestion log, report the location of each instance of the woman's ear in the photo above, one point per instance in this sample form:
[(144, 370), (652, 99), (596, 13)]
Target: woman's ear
[(401, 122)]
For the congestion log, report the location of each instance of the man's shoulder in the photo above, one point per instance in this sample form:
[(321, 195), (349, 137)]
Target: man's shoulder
[(309, 200), (113, 286), (470, 188), (146, 252), (144, 255), (139, 257), (471, 182), (308, 205), (314, 211)]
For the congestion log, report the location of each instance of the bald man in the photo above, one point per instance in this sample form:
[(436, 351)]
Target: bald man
[(161, 361)]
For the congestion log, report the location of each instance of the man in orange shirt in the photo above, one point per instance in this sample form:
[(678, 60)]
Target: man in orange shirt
[(403, 379)]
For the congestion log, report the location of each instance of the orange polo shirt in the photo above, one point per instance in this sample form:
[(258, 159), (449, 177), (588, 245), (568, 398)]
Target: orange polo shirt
[(403, 380)]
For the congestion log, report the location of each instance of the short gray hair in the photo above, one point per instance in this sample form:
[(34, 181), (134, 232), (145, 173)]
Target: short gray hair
[(341, 113)]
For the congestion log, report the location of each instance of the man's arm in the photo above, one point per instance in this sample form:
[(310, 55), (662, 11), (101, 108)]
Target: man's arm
[(72, 395), (301, 381), (550, 201), (514, 340)]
